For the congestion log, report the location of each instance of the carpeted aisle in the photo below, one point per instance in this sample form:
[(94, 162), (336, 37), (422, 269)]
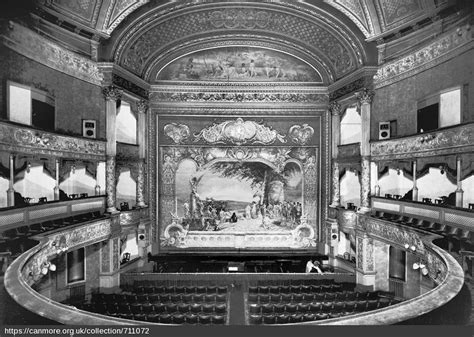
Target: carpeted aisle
[(237, 306)]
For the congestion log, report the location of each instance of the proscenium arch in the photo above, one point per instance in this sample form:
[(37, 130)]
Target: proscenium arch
[(300, 26), (157, 67)]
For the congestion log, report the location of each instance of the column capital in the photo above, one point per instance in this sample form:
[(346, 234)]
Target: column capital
[(365, 96), (142, 106), (112, 93), (335, 108)]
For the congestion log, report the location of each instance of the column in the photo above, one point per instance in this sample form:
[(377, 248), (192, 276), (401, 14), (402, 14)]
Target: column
[(365, 267), (111, 94), (365, 100), (140, 195), (377, 186), (335, 109), (11, 190), (97, 186), (415, 188), (56, 185), (459, 190)]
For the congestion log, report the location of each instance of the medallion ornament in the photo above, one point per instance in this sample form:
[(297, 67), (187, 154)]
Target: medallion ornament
[(177, 132), (239, 132)]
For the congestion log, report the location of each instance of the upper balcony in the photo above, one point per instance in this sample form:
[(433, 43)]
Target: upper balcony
[(24, 139), (450, 140), (349, 152)]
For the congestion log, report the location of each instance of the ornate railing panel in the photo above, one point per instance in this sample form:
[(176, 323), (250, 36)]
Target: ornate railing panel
[(458, 139), (22, 139), (347, 219), (127, 152)]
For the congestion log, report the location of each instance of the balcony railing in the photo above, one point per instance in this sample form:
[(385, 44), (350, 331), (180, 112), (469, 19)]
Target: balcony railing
[(127, 152), (14, 217), (451, 140), (24, 139), (450, 216), (133, 217)]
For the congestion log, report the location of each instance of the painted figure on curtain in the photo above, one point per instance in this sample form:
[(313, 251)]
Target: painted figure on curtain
[(231, 196), (239, 64)]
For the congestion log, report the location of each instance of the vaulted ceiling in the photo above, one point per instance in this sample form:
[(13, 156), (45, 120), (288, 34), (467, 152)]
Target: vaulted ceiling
[(333, 36)]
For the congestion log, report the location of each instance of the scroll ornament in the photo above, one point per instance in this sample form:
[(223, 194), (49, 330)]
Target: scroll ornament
[(301, 134), (239, 132)]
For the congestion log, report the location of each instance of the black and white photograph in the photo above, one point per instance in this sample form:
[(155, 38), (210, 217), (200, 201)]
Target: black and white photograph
[(279, 166)]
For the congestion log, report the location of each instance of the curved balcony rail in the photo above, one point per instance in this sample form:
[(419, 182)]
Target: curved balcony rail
[(460, 218), (24, 139), (445, 141), (28, 215), (133, 217), (26, 271)]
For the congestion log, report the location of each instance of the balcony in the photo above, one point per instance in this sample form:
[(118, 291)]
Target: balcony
[(127, 152), (14, 217), (24, 139), (133, 217), (446, 141), (457, 217)]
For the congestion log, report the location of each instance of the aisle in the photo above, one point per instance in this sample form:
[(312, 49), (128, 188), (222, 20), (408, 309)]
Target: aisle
[(237, 306)]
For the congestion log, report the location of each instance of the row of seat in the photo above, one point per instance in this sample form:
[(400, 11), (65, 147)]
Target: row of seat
[(310, 297), (294, 289), (203, 319), (301, 282), (322, 307), (431, 226), (257, 319), (37, 228), (162, 298), (157, 289), (159, 308)]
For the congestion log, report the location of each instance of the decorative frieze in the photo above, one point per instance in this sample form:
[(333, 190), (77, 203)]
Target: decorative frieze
[(423, 58), (450, 141), (14, 138), (241, 97), (129, 86), (390, 232), (44, 51)]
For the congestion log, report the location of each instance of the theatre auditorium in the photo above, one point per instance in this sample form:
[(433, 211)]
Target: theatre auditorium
[(245, 163)]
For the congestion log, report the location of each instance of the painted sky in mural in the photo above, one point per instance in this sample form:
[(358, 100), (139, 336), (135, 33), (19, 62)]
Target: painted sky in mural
[(238, 197), (239, 64)]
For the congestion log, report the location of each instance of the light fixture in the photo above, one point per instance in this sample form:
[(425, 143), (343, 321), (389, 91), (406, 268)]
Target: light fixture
[(441, 169), (407, 245), (28, 167), (418, 265), (424, 271), (413, 248), (73, 169), (398, 171)]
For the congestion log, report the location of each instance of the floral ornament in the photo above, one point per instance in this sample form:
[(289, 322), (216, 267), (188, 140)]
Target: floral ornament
[(177, 132), (301, 134)]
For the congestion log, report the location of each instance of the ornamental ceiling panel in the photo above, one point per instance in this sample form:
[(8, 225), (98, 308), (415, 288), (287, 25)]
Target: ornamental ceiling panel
[(154, 34), (357, 11), (118, 11), (396, 12), (84, 11)]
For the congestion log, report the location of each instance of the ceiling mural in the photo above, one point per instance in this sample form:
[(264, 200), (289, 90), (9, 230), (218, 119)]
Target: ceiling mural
[(151, 39), (239, 64)]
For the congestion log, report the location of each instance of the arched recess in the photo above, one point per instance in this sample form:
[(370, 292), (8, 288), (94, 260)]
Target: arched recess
[(126, 124), (153, 37)]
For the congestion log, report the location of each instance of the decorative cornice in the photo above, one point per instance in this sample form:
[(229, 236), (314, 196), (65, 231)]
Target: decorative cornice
[(161, 109), (444, 48), (459, 139), (42, 50), (113, 19), (34, 142), (129, 86)]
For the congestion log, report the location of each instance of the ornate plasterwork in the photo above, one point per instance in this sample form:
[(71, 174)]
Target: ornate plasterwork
[(453, 140), (392, 12), (176, 236), (140, 45), (300, 134), (423, 58), (70, 239), (358, 12), (127, 152), (241, 97), (129, 86), (84, 11), (14, 138), (390, 232), (42, 50), (348, 152), (239, 132), (118, 12), (177, 132)]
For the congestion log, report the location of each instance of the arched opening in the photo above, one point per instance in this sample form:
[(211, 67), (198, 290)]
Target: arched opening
[(126, 124), (351, 126)]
